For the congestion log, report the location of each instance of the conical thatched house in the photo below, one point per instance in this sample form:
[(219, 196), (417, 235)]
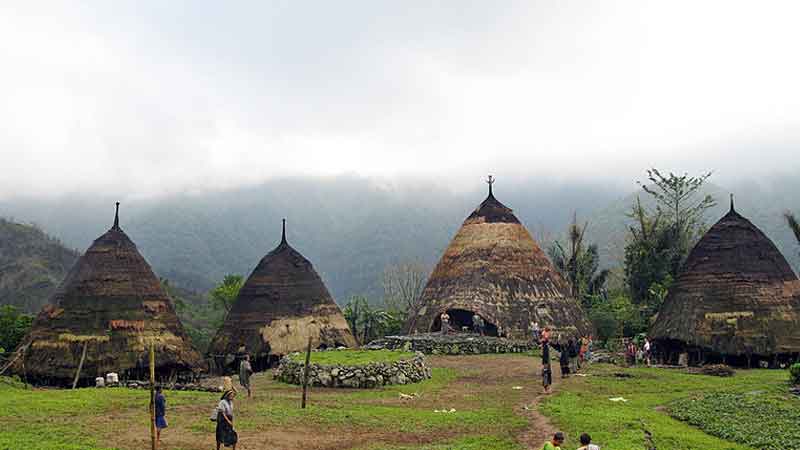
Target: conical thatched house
[(281, 305), (736, 300), (110, 307), (494, 268)]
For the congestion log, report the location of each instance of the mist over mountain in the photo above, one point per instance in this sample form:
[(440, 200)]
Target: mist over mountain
[(352, 227), (349, 227)]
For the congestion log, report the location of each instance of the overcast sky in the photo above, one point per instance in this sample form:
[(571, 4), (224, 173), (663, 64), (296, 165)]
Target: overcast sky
[(155, 96)]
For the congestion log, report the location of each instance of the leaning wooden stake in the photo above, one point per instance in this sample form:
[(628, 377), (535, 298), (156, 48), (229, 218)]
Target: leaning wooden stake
[(20, 352), (305, 373), (80, 365), (152, 395)]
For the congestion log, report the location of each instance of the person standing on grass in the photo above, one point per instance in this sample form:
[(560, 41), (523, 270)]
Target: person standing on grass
[(245, 370), (564, 360), (161, 411), (586, 443), (584, 348), (572, 350), (589, 344), (225, 433), (555, 443), (647, 351), (547, 371), (445, 319)]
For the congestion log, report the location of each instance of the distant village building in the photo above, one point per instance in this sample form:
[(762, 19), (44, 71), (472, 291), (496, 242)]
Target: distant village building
[(736, 300), (281, 305), (494, 268), (106, 312)]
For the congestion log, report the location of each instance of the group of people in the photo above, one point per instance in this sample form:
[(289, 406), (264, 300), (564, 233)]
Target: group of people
[(222, 414), (559, 439), (572, 355), (635, 354), (478, 324)]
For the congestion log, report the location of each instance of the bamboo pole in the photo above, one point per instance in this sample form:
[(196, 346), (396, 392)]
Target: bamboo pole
[(305, 373), (80, 365), (152, 395)]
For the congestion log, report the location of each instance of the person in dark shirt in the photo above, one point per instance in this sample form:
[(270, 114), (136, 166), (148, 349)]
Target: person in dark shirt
[(161, 411), (547, 372), (564, 360)]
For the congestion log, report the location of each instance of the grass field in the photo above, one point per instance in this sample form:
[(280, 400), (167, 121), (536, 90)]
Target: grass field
[(495, 398), (583, 405)]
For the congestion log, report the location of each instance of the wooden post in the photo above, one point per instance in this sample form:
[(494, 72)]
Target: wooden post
[(153, 395), (305, 373), (80, 365)]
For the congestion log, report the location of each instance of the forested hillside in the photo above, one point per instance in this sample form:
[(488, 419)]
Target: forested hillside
[(32, 264), (351, 228)]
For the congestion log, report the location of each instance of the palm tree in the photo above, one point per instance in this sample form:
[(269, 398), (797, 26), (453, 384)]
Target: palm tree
[(578, 263)]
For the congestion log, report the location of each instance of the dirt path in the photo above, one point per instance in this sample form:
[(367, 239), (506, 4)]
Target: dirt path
[(495, 381), (521, 372)]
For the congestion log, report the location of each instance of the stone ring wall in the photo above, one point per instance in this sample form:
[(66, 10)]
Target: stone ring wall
[(371, 375)]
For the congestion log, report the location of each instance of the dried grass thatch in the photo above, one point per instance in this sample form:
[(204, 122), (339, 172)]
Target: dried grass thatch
[(282, 304), (112, 303), (735, 296), (494, 268)]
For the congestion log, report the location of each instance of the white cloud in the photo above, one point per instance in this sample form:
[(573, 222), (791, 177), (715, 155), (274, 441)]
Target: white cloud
[(153, 97)]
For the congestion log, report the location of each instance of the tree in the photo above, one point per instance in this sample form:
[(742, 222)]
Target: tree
[(368, 323), (225, 293), (14, 325), (677, 202), (402, 289), (578, 263), (659, 241), (793, 225), (648, 255)]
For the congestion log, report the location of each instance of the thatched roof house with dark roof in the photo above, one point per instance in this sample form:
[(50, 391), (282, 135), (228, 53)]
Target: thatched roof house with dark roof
[(111, 307), (495, 269), (735, 299), (282, 304)]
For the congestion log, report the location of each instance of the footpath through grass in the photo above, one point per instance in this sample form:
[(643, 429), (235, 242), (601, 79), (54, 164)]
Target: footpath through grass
[(485, 414), (583, 405)]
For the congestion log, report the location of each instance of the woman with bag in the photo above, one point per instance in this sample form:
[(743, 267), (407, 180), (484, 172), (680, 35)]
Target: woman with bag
[(226, 435)]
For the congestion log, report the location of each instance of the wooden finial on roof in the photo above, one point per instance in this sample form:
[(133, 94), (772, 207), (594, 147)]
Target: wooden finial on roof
[(283, 233), (732, 202), (116, 219), (490, 181)]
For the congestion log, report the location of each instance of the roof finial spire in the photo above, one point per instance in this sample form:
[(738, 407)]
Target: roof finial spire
[(732, 202), (490, 181), (116, 219), (283, 233)]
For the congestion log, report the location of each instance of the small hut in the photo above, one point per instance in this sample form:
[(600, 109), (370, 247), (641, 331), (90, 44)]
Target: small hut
[(735, 300), (282, 304), (494, 268), (104, 317)]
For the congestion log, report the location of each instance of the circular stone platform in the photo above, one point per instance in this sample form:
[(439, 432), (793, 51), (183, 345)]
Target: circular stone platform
[(451, 344), (399, 368)]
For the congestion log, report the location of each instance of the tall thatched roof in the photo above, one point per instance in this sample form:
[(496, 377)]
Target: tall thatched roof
[(112, 302), (494, 268), (735, 295), (281, 305)]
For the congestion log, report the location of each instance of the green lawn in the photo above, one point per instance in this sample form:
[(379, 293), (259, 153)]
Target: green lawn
[(353, 357), (485, 417), (583, 405)]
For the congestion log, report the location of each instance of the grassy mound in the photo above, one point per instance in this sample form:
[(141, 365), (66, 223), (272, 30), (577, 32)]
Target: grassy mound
[(353, 357), (756, 419)]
